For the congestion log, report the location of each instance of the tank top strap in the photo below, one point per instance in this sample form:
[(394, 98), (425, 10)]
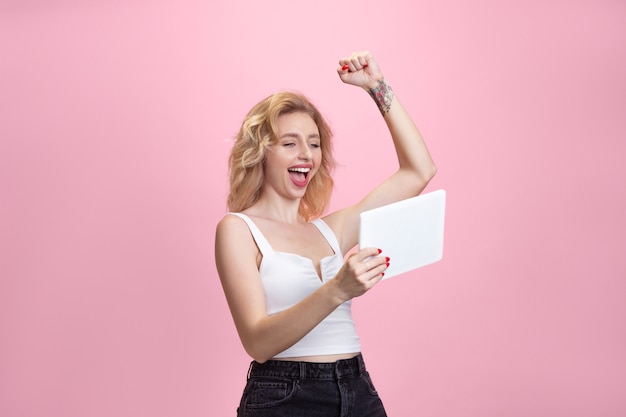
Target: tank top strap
[(328, 234), (261, 241)]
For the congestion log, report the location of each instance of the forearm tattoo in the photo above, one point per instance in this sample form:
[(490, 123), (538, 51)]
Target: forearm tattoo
[(383, 96)]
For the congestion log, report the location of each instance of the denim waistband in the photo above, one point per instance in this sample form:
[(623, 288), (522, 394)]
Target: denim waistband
[(344, 368)]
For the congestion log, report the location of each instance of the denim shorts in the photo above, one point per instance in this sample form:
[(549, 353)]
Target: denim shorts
[(307, 389)]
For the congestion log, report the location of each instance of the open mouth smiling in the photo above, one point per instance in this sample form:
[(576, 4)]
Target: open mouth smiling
[(299, 175), (304, 171)]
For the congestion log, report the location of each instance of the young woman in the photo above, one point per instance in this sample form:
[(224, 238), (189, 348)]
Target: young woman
[(282, 266)]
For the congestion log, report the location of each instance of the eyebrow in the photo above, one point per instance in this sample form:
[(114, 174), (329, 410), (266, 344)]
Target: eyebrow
[(295, 135)]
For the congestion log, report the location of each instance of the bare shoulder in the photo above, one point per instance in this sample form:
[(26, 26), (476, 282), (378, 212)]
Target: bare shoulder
[(232, 227), (237, 260), (232, 235), (230, 223)]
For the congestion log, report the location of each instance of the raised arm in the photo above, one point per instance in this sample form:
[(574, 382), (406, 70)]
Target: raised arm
[(237, 258), (415, 165)]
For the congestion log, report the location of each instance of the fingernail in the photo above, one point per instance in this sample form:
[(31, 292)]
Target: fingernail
[(345, 67), (387, 258), (387, 264), (382, 273), (380, 250)]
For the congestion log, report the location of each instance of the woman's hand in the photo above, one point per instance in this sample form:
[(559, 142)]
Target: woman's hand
[(360, 272), (360, 69)]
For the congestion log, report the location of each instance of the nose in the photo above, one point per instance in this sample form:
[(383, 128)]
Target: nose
[(305, 152)]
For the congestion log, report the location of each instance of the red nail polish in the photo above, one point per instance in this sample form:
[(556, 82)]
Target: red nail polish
[(345, 67), (379, 250), (387, 258), (382, 273), (387, 264)]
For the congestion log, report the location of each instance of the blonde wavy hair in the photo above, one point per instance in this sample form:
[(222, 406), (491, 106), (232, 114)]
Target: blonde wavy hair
[(257, 134)]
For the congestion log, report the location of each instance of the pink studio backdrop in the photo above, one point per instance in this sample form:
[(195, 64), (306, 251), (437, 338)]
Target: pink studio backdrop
[(116, 120)]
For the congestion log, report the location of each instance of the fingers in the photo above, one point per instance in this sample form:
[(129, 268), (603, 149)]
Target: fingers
[(355, 62), (360, 272), (368, 252), (368, 265)]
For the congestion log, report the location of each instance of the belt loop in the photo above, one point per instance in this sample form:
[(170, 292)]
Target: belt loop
[(250, 370), (361, 363), (302, 371), (338, 371)]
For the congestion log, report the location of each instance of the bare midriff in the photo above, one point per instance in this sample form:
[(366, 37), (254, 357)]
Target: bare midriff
[(319, 358)]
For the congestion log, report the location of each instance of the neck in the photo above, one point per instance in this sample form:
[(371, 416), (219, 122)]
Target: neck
[(281, 210)]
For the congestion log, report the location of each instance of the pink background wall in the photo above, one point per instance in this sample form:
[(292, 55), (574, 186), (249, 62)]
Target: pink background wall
[(115, 126)]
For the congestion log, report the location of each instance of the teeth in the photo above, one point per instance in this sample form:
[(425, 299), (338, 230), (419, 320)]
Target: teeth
[(300, 169)]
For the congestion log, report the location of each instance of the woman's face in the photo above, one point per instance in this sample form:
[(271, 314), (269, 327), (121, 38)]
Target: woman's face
[(295, 157)]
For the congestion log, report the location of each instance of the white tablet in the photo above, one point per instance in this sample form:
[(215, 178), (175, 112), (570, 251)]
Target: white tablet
[(409, 232)]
